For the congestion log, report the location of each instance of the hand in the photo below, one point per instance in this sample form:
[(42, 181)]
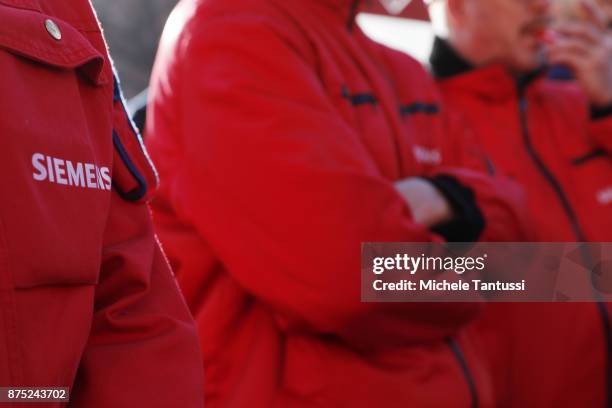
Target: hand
[(586, 48), (428, 205)]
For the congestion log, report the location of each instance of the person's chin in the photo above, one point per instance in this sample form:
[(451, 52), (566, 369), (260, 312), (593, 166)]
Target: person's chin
[(529, 62)]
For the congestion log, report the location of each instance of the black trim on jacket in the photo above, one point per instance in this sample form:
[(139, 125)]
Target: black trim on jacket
[(468, 223)]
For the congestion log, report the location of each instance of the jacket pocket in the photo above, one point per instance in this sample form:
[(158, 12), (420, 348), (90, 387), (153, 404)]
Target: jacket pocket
[(56, 148), (46, 40)]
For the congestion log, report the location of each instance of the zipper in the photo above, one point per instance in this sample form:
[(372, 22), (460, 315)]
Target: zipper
[(605, 320), (465, 370), (546, 173), (580, 237)]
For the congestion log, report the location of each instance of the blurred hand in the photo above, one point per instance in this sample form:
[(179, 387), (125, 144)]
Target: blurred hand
[(428, 205), (586, 48)]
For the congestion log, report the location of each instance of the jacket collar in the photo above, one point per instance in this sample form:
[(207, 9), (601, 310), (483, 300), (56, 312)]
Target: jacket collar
[(445, 62), (493, 81)]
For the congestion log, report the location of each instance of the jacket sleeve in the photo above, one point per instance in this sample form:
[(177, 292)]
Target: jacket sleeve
[(281, 187), (490, 207), (143, 348)]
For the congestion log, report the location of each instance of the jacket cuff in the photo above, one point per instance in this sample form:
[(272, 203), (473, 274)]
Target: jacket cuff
[(468, 223), (600, 112)]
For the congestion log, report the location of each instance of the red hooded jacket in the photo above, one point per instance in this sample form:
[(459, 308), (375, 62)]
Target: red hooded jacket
[(541, 133), (87, 300), (279, 129)]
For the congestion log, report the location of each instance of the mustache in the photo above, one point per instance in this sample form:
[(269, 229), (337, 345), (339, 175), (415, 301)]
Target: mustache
[(537, 25)]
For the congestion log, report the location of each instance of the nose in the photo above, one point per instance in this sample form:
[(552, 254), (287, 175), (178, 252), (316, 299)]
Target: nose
[(540, 6)]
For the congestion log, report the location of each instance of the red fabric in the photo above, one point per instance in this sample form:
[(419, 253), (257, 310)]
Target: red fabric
[(553, 354), (270, 180), (87, 300)]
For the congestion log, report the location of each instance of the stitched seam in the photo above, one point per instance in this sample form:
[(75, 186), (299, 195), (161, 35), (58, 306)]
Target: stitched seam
[(83, 54), (71, 58)]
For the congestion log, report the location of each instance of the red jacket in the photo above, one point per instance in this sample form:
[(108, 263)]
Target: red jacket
[(279, 129), (541, 134), (87, 300)]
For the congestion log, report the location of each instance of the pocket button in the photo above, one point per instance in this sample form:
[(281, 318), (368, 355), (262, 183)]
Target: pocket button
[(53, 29)]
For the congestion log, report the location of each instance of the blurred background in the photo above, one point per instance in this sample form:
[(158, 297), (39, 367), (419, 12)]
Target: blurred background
[(133, 28)]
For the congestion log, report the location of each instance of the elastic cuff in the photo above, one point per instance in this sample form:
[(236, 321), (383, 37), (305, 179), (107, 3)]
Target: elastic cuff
[(468, 223), (600, 112)]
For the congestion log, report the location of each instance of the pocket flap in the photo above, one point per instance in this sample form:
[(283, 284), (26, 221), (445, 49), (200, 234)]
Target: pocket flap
[(30, 34)]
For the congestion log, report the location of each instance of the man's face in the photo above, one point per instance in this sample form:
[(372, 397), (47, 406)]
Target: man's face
[(507, 31)]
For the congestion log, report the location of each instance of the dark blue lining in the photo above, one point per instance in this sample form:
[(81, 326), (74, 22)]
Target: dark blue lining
[(139, 192), (116, 89), (358, 98), (589, 156), (419, 107)]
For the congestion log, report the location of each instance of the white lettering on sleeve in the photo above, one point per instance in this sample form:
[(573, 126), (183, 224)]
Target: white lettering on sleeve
[(40, 173), (90, 174), (75, 175), (60, 172), (50, 168), (66, 172), (106, 177)]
